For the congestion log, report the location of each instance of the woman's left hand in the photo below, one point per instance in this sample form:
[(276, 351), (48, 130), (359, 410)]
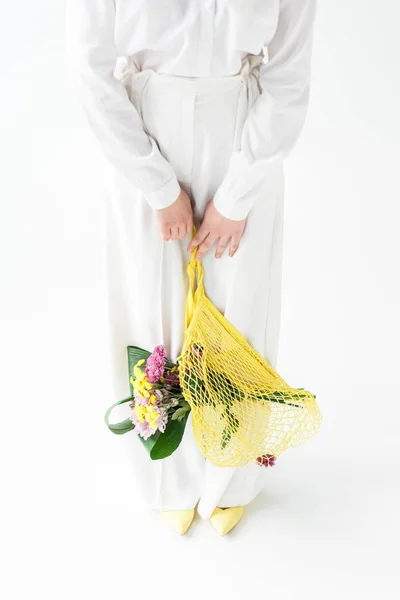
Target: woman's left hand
[(216, 227)]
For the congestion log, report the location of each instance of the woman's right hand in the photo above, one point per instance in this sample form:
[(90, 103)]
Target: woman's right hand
[(176, 221)]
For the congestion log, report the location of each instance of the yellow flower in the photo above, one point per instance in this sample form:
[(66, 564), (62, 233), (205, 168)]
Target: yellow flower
[(140, 412), (153, 399), (141, 385), (137, 371), (148, 413)]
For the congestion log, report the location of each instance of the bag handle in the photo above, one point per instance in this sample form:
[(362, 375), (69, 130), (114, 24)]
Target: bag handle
[(196, 290)]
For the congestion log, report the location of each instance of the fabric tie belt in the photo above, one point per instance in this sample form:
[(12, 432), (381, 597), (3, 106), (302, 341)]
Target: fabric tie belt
[(249, 73)]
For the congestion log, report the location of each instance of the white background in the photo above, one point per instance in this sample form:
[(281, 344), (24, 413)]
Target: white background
[(328, 525)]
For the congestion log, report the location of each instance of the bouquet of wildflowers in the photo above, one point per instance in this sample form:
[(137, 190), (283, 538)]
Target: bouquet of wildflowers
[(158, 409)]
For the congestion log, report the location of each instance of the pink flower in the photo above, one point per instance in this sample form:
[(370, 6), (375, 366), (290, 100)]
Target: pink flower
[(143, 429), (267, 460), (142, 401), (148, 420), (162, 419), (155, 364), (197, 351)]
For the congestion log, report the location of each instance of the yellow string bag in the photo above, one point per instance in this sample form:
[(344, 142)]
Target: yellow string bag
[(241, 408)]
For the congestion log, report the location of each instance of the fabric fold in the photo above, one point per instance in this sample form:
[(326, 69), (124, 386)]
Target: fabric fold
[(113, 118), (276, 117)]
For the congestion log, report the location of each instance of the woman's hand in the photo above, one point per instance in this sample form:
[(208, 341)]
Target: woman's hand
[(213, 227), (176, 221)]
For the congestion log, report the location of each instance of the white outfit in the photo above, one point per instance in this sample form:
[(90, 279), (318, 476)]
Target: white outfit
[(195, 106)]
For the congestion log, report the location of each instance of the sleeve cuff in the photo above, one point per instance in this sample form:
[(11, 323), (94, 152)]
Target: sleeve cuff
[(236, 211), (242, 186), (165, 195)]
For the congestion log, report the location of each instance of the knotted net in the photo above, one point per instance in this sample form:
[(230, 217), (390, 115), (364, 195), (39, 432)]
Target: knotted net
[(241, 408)]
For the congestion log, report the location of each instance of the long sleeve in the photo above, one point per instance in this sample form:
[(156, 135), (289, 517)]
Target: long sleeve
[(276, 118), (112, 117)]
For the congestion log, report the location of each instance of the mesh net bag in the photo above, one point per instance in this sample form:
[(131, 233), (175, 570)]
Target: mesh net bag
[(242, 409)]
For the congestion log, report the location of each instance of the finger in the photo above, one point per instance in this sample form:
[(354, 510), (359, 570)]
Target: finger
[(234, 245), (198, 238), (205, 246), (181, 231), (166, 234), (223, 242), (174, 232)]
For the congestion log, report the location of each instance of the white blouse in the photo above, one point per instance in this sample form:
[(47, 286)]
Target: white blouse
[(193, 38)]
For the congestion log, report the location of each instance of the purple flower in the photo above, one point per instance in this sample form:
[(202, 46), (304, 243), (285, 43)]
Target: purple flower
[(155, 364), (171, 379), (267, 460)]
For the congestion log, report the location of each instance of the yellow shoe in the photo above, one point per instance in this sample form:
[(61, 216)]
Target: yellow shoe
[(178, 520), (223, 520)]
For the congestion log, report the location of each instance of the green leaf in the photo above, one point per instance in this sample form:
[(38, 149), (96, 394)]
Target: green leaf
[(231, 428), (181, 411), (135, 354), (123, 426), (150, 442), (168, 441)]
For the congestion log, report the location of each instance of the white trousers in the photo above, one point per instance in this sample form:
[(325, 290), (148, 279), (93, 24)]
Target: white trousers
[(197, 123)]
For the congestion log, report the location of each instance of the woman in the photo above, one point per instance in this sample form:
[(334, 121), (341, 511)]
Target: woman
[(195, 129)]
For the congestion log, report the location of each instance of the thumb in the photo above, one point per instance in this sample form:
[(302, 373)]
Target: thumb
[(198, 238)]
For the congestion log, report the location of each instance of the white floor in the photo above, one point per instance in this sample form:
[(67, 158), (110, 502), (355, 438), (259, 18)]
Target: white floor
[(324, 529), (74, 525)]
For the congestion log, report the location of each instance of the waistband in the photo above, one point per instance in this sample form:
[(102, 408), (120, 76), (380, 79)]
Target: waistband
[(244, 84), (249, 75)]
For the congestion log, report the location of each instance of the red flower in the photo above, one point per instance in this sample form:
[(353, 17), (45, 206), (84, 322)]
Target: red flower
[(266, 460)]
